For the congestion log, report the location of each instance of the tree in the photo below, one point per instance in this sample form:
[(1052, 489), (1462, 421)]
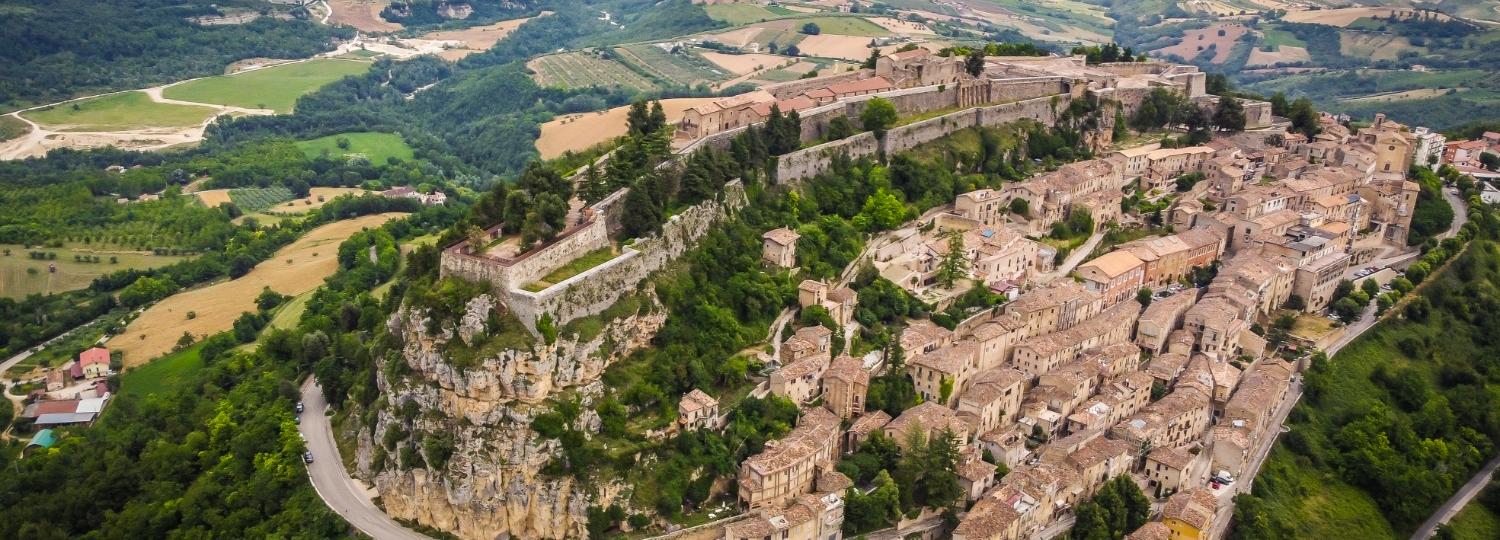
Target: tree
[(1490, 161), (1143, 297), (974, 64), (1370, 287), (882, 211), (1304, 118), (1020, 207), (476, 238), (955, 263), (878, 116), (811, 29), (874, 57), (1230, 116), (642, 216)]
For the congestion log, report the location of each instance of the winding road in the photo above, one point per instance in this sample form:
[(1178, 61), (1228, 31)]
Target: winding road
[(1455, 503), (332, 482)]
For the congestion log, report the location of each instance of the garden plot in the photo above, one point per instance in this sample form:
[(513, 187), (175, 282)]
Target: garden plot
[(585, 69), (683, 68)]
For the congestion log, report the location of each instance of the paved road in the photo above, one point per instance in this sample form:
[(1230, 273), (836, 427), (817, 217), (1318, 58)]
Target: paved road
[(1074, 259), (1457, 501), (332, 482), (1257, 459)]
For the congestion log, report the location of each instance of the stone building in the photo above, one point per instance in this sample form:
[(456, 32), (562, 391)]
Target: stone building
[(1172, 469), (839, 301), (919, 67), (697, 410), (788, 466), (845, 384), (1190, 514), (801, 380), (779, 247), (1114, 276)]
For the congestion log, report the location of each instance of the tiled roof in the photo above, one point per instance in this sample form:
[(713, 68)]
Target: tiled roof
[(814, 430), (783, 236), (1195, 507)]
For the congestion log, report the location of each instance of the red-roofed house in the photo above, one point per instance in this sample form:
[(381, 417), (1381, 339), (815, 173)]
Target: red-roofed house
[(95, 362)]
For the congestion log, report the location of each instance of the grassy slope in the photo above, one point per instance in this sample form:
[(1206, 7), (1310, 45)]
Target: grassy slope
[(1310, 496), (16, 282), (1475, 522), (163, 374), (11, 128), (125, 110), (375, 146), (271, 88)]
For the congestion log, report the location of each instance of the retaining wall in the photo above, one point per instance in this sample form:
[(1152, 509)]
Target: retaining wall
[(594, 290)]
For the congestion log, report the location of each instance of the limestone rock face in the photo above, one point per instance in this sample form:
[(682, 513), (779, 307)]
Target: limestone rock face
[(492, 486)]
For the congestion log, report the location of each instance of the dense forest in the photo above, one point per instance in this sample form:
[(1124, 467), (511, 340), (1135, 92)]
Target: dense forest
[(219, 454), (60, 49)]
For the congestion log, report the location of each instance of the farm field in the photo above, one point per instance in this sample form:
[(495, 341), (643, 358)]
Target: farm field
[(683, 69), (115, 112), (295, 269), (844, 26), (906, 28), (1344, 16), (258, 199), (1374, 46), (375, 146), (578, 132), (1283, 54), (740, 64), (213, 198), (17, 280), (163, 375), (744, 12), (582, 70), (834, 46), (1420, 93), (1221, 37), (276, 88), (317, 197)]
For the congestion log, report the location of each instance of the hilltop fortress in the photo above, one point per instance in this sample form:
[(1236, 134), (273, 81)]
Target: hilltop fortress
[(916, 82)]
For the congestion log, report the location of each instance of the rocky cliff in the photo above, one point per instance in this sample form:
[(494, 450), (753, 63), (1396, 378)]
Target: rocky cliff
[(475, 420)]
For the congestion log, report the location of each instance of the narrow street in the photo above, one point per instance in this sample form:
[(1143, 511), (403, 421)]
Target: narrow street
[(333, 484)]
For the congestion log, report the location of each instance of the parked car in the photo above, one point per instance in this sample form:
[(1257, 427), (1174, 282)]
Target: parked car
[(299, 406), (307, 457)]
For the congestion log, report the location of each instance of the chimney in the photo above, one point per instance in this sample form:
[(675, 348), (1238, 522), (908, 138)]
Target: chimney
[(1379, 119)]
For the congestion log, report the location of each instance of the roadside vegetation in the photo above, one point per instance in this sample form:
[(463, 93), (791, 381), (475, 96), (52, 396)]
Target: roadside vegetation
[(1399, 419)]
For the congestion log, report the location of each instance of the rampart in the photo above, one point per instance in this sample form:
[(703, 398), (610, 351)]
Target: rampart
[(809, 162)]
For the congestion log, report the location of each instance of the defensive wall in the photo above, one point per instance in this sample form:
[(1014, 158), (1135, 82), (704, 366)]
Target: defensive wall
[(808, 162), (594, 290)]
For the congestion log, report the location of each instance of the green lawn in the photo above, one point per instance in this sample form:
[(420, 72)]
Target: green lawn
[(573, 268), (163, 374), (377, 147), (1475, 522), (1277, 37), (114, 112), (275, 88)]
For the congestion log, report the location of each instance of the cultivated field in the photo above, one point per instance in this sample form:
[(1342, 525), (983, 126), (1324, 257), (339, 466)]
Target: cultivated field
[(1221, 37), (363, 15), (21, 275), (276, 88), (740, 64), (1420, 93), (117, 112), (1284, 53), (316, 198), (738, 37), (1374, 46), (905, 28), (259, 199), (1345, 16), (847, 26), (477, 38), (582, 70), (831, 46), (375, 146), (213, 198), (746, 12), (580, 131), (295, 269), (684, 68)]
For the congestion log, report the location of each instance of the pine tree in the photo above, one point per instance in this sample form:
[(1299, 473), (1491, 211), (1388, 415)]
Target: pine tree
[(974, 64), (955, 263)]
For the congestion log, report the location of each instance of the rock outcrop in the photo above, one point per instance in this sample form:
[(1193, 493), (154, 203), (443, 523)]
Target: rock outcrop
[(492, 486)]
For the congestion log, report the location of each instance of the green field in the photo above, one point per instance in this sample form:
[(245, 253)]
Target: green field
[(1277, 37), (738, 13), (115, 112), (10, 128), (377, 147), (163, 374), (275, 88), (258, 199), (21, 275), (573, 268), (685, 69), (1475, 521), (582, 70)]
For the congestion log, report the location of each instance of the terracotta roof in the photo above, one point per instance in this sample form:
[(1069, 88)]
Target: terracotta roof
[(96, 355), (1154, 530), (847, 368), (696, 401), (921, 332), (1175, 458), (928, 417), (949, 359), (816, 429), (870, 422), (783, 236), (1195, 507), (1112, 265)]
